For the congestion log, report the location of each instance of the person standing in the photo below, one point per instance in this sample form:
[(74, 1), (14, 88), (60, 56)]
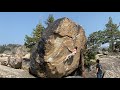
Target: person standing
[(98, 69)]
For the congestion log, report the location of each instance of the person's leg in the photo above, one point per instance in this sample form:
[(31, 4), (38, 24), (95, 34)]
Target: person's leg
[(66, 58), (101, 75), (90, 68), (98, 75)]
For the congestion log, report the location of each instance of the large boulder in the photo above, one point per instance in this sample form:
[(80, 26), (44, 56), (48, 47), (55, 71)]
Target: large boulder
[(111, 66), (21, 51), (7, 72), (26, 64), (26, 57), (26, 61), (58, 40), (15, 62), (111, 74), (4, 61)]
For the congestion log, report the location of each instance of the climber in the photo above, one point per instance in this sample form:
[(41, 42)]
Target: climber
[(71, 54)]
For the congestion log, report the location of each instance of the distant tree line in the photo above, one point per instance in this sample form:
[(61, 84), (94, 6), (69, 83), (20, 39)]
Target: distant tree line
[(8, 47)]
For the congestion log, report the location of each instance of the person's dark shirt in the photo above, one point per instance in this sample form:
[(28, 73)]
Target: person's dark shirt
[(99, 68)]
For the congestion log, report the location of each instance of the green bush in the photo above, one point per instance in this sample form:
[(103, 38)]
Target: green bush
[(89, 54)]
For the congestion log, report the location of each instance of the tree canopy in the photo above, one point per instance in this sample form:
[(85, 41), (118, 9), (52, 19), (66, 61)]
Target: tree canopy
[(110, 34), (50, 20), (30, 41)]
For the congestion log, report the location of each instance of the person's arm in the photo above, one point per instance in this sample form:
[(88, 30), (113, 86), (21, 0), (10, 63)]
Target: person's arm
[(68, 56), (96, 70)]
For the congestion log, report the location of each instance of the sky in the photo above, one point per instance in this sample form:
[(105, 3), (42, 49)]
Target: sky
[(15, 25)]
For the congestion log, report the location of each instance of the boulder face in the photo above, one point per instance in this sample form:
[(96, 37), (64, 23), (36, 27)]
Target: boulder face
[(4, 61), (58, 40), (26, 61), (15, 62)]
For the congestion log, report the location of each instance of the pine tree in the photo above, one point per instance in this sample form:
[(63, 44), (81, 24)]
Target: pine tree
[(95, 39), (49, 20), (112, 33), (30, 41)]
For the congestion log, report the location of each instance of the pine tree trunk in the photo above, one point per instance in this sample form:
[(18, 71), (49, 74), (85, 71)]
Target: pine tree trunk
[(112, 41), (112, 44)]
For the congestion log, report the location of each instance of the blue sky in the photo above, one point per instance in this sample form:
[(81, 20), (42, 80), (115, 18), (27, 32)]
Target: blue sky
[(15, 25)]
